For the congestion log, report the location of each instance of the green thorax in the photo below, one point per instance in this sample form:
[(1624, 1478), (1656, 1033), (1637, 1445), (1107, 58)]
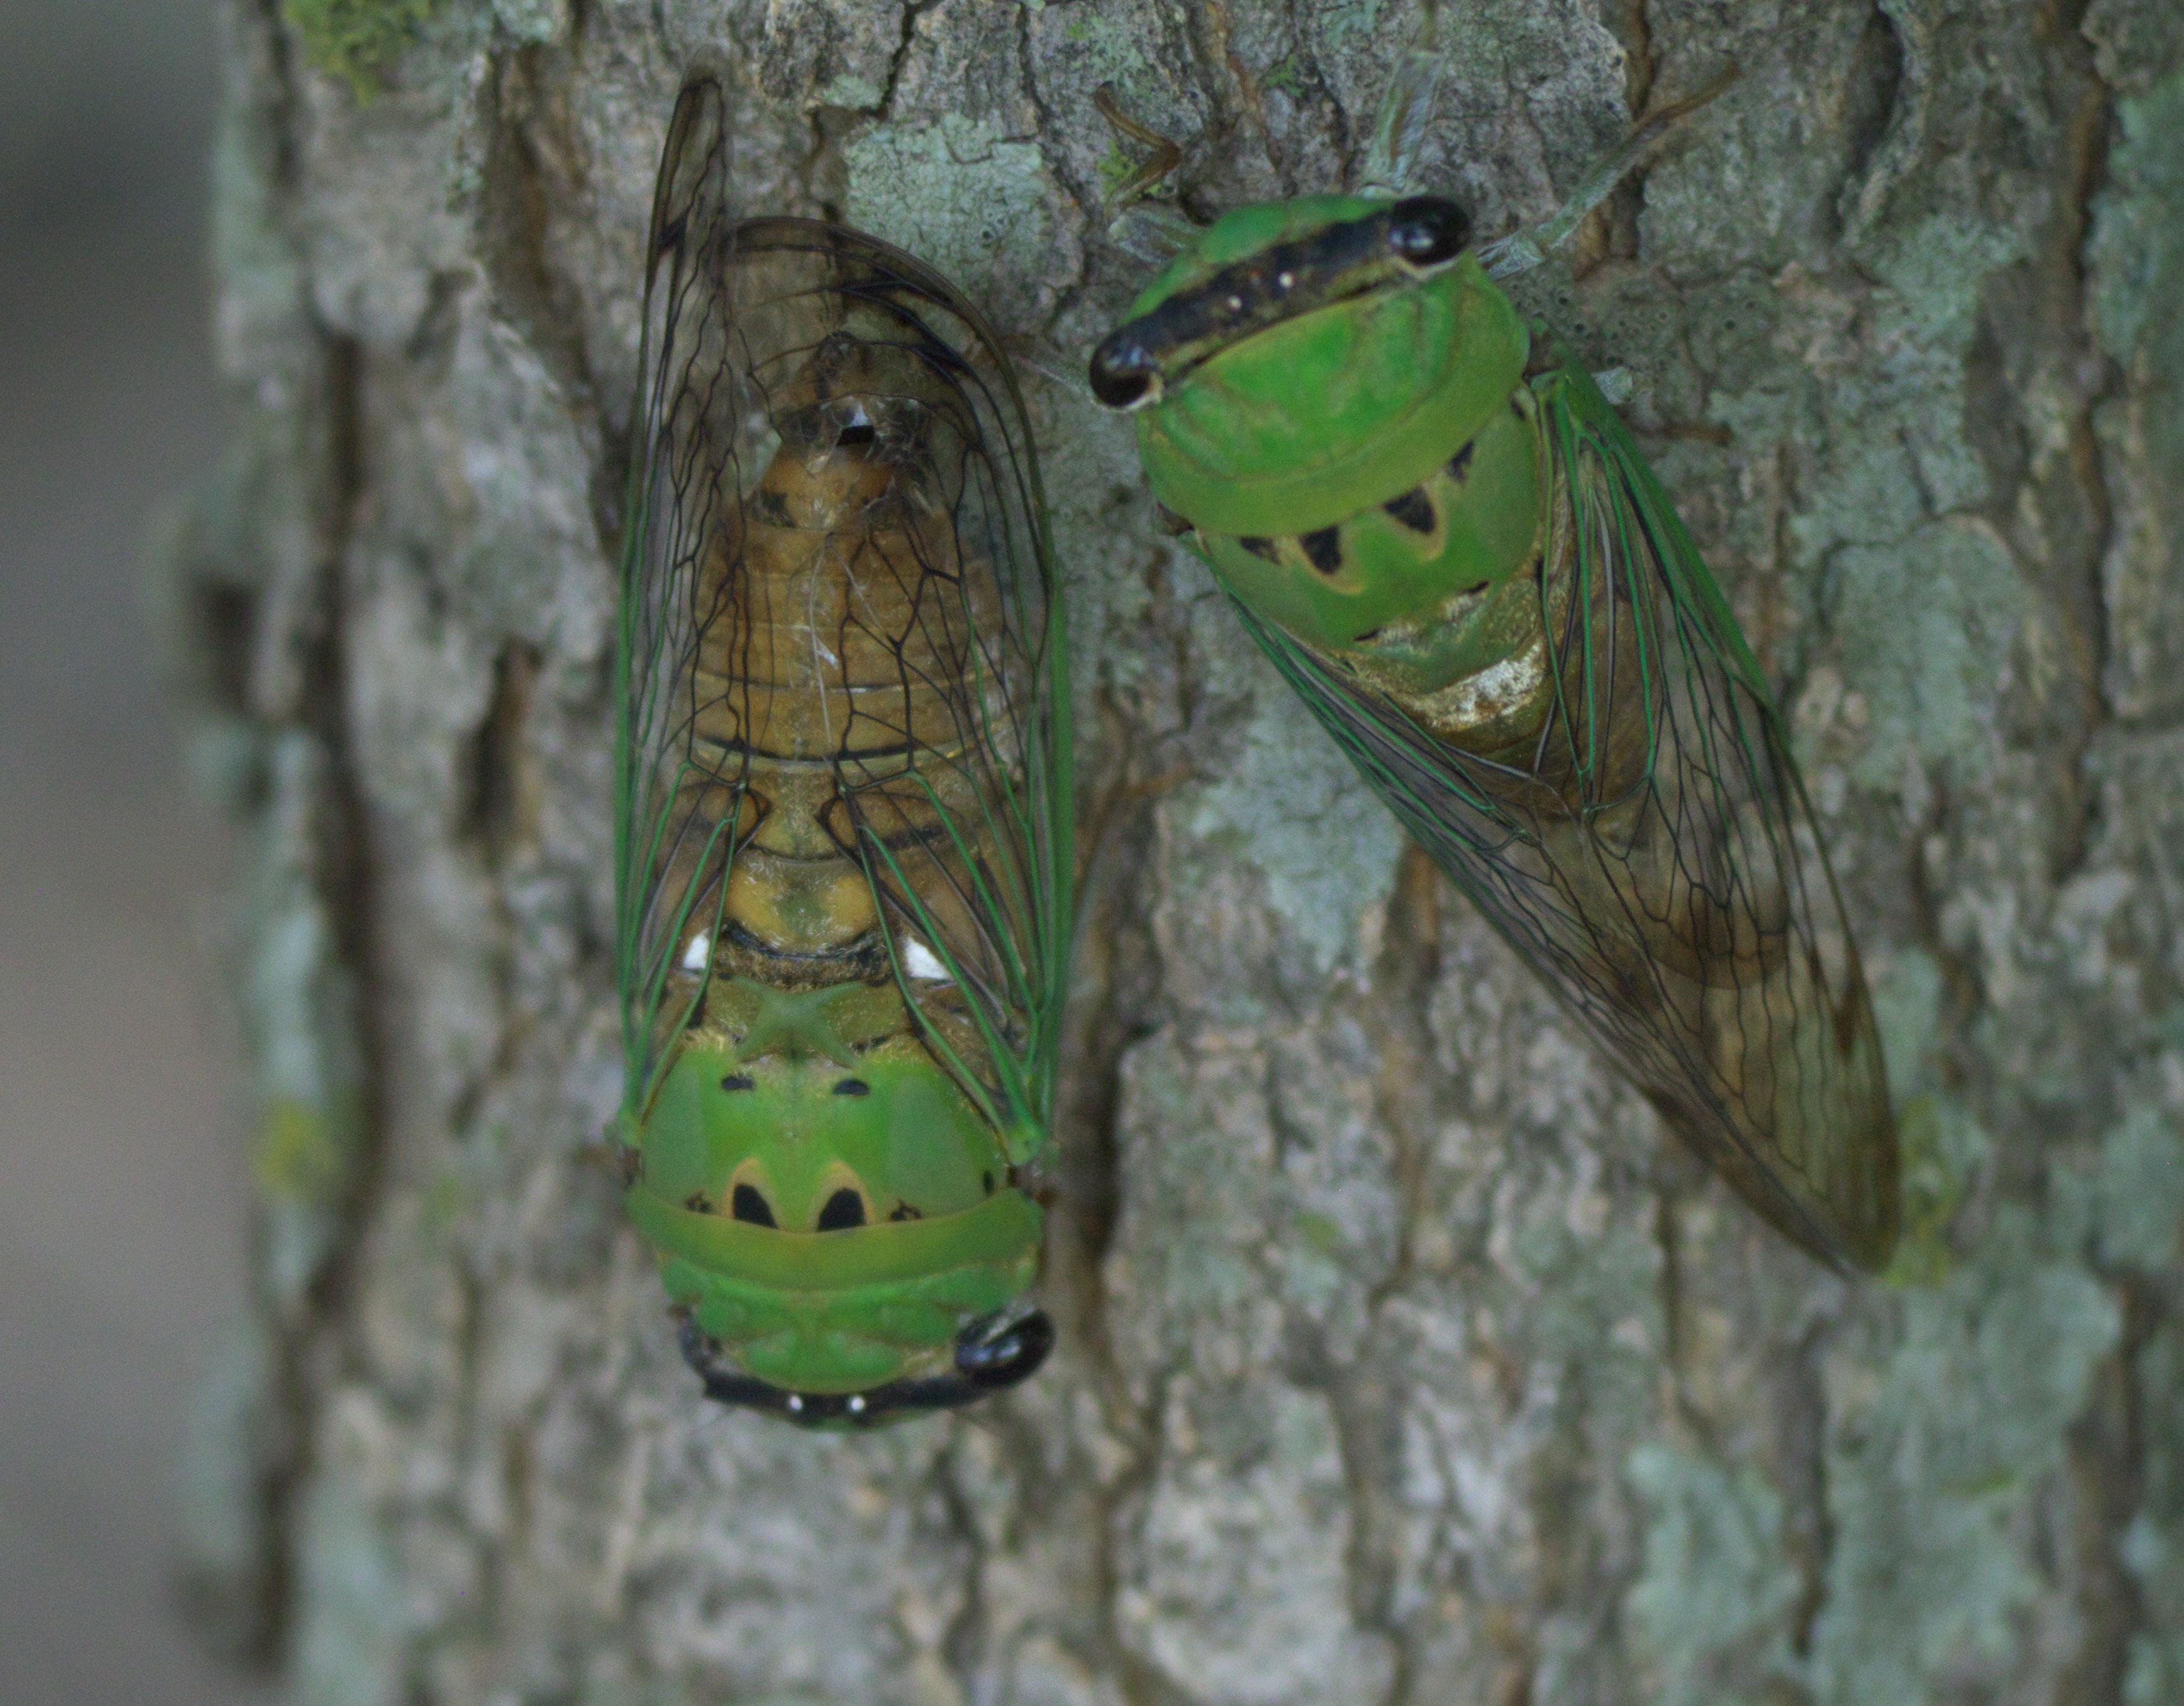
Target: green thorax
[(1399, 368), (823, 1197), (1425, 585)]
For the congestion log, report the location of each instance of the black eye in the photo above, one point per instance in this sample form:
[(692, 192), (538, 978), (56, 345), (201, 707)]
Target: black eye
[(843, 1210), (748, 1204), (1426, 231), (852, 1086), (993, 1353), (1123, 371), (738, 1080)]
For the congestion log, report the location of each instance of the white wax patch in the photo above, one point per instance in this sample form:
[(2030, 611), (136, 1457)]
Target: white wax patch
[(698, 954), (920, 961)]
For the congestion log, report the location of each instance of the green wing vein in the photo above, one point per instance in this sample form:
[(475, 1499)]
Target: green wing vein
[(1656, 860), (909, 702)]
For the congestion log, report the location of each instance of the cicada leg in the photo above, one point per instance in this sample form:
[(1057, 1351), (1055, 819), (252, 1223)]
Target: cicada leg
[(1164, 158), (1522, 251), (1406, 109), (1156, 232), (1153, 231)]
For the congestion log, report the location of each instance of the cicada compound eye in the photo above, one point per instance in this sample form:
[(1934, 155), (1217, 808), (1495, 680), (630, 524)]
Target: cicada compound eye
[(1123, 370), (1426, 231), (1003, 1350)]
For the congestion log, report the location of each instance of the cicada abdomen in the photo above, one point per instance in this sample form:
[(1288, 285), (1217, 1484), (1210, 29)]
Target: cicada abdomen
[(1444, 537), (845, 874)]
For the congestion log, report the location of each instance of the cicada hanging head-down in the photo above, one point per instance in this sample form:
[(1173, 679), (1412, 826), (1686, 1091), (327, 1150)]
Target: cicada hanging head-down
[(842, 873)]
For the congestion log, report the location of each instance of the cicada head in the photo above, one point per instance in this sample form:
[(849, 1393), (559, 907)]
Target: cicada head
[(845, 1237), (1304, 360)]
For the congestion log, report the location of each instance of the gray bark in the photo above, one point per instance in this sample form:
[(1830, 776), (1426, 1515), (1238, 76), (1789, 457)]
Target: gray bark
[(1404, 1357)]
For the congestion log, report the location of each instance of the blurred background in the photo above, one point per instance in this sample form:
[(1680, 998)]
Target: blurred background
[(121, 1217)]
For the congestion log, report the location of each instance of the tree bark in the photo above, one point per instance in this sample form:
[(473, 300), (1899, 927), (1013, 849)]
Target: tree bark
[(1404, 1357)]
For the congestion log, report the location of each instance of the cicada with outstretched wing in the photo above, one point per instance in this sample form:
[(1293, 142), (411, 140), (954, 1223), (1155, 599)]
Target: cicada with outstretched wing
[(844, 852), (1440, 530)]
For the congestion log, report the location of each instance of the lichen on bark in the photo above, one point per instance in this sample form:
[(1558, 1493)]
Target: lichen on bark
[(1404, 1357)]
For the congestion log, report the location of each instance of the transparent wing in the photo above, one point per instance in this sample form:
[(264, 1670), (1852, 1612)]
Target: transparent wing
[(681, 806), (949, 759), (1651, 852), (838, 613)]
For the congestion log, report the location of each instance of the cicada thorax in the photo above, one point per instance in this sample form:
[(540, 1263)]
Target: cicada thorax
[(1460, 599)]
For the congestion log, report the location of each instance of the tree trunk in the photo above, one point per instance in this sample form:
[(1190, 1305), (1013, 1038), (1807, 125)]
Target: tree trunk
[(1404, 1357)]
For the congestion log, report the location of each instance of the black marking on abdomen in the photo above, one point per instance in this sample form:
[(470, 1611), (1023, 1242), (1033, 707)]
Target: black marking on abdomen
[(1414, 510), (1261, 548), (1323, 549), (1460, 464)]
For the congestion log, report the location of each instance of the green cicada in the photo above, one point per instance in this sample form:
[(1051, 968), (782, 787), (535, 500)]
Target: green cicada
[(843, 862), (1437, 527)]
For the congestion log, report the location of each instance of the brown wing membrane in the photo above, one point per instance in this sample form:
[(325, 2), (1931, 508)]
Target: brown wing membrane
[(1650, 850), (843, 736)]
